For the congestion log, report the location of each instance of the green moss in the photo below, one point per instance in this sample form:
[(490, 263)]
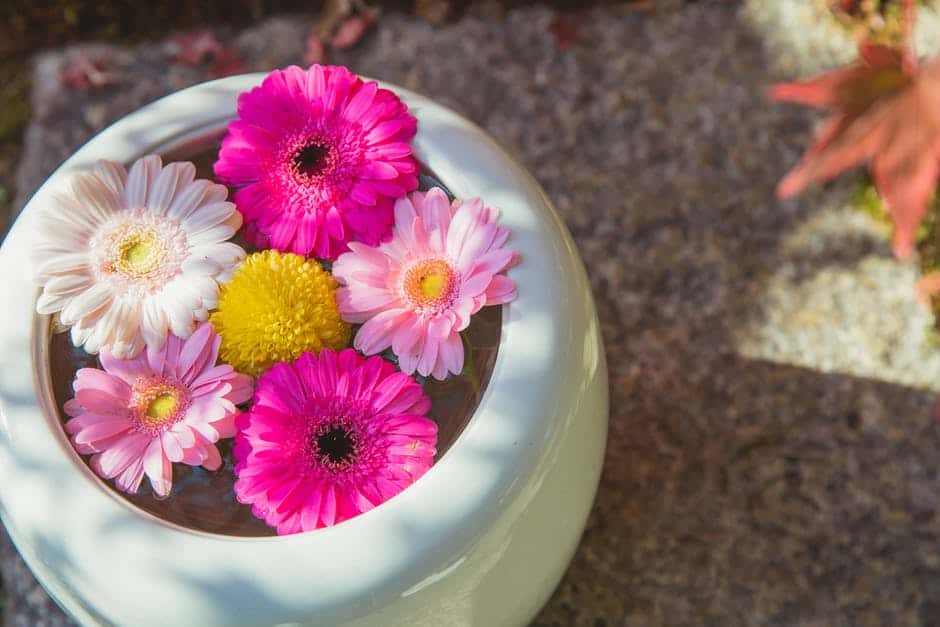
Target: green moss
[(932, 335), (14, 99), (867, 200), (878, 21), (928, 239)]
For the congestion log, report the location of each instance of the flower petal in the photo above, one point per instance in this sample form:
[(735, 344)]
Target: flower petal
[(142, 174)]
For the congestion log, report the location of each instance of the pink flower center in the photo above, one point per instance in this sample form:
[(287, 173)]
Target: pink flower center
[(158, 403), (138, 252), (430, 284)]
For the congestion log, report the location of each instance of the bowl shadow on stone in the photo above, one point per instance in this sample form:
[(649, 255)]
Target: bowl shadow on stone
[(739, 489)]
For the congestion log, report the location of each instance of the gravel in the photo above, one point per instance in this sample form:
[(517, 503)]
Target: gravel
[(772, 457)]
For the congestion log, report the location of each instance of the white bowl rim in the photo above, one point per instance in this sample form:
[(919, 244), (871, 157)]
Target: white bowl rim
[(529, 376)]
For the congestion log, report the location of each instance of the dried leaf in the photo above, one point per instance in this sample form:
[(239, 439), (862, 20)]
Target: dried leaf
[(195, 47), (638, 6), (201, 46), (884, 112), (564, 27), (928, 286), (351, 30), (435, 12), (314, 50), (85, 71), (332, 15), (226, 63)]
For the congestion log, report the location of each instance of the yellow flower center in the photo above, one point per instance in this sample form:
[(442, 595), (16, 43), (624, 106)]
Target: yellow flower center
[(163, 405), (430, 282), (433, 284), (276, 307), (158, 403), (137, 253)]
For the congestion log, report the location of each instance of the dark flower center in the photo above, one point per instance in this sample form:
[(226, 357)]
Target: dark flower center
[(336, 446), (311, 160)]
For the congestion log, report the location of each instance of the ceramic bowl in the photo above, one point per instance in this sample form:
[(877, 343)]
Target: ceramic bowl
[(482, 539)]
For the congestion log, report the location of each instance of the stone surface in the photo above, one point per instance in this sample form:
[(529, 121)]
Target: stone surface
[(835, 284), (772, 460)]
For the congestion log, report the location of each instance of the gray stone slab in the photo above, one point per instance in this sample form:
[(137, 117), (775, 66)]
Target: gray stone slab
[(772, 460)]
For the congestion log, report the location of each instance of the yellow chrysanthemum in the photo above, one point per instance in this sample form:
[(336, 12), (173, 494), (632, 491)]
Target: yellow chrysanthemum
[(277, 306)]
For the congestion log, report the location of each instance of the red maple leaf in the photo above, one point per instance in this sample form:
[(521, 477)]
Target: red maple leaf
[(226, 63), (194, 47), (884, 111), (351, 30), (200, 46), (314, 50), (564, 27), (85, 71)]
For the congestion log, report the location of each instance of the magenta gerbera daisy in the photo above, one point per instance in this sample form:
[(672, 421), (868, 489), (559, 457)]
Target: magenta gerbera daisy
[(416, 293), (319, 157), (138, 416), (329, 437)]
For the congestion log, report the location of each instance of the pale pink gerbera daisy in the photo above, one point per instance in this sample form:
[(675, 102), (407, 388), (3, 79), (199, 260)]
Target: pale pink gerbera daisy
[(319, 155), (125, 258), (329, 437), (416, 293), (138, 416)]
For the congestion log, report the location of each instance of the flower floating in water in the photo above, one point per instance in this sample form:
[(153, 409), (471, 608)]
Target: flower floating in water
[(277, 306), (125, 258), (329, 437), (319, 155), (138, 416), (417, 292)]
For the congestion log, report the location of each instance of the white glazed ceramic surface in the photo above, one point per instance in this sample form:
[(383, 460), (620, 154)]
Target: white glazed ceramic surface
[(482, 539)]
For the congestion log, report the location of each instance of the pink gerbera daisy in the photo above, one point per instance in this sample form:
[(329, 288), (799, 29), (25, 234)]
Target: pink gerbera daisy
[(319, 155), (329, 437), (138, 416), (416, 293)]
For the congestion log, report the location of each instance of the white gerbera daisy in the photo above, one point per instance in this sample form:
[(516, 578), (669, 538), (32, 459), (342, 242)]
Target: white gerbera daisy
[(126, 257)]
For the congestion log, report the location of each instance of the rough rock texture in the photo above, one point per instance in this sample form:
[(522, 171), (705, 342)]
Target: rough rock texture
[(770, 460)]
